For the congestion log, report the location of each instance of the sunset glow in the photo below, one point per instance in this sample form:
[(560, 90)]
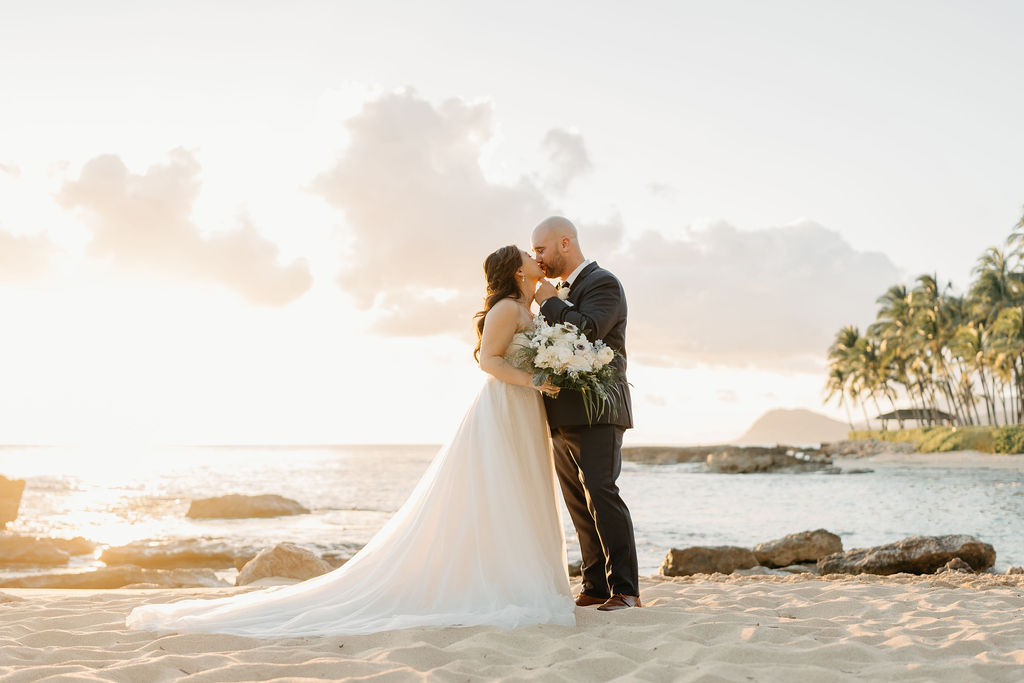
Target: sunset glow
[(264, 224)]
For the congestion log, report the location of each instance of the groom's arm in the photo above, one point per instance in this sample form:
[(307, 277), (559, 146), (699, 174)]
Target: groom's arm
[(595, 315)]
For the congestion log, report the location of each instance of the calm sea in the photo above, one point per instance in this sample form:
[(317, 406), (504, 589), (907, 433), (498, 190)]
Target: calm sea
[(115, 497)]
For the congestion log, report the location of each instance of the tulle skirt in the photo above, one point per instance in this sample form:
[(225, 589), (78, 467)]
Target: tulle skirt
[(478, 542)]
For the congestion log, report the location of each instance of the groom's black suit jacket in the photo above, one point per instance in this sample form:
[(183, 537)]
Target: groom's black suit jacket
[(599, 309)]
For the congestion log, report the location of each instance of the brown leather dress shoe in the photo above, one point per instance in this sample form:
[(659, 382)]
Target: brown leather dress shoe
[(620, 601), (584, 600)]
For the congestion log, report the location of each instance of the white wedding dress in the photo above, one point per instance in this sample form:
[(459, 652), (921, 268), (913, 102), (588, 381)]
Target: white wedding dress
[(478, 542)]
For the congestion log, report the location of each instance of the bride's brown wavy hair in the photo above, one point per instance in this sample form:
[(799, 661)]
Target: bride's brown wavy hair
[(500, 270)]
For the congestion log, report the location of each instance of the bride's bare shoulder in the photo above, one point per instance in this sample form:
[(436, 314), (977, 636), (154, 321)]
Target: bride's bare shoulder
[(502, 311), (506, 304)]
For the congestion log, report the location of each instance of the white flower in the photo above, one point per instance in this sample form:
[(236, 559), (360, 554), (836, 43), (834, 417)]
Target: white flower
[(563, 293), (581, 362)]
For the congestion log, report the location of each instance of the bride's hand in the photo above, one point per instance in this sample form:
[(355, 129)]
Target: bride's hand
[(548, 388), (545, 290)]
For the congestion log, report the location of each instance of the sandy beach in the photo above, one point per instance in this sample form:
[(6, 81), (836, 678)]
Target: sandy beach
[(953, 459), (707, 628)]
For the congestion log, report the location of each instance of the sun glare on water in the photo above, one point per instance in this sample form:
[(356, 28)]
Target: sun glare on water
[(105, 493)]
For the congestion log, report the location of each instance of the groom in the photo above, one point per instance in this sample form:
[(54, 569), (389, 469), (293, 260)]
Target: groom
[(588, 456)]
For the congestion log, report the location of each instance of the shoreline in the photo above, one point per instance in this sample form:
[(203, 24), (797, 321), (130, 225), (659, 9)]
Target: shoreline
[(950, 459), (667, 532)]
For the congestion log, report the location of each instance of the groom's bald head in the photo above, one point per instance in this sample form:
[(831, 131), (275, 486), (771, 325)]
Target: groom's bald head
[(556, 246), (555, 226)]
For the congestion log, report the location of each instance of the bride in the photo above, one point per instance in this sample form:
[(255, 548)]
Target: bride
[(479, 541)]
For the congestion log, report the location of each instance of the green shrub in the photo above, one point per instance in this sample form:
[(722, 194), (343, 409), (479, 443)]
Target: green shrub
[(959, 439), (1009, 439), (915, 436), (940, 439)]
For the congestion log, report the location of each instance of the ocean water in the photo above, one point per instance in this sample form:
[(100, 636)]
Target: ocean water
[(115, 497)]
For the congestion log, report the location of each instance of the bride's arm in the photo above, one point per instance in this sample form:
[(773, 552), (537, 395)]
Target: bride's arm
[(499, 327)]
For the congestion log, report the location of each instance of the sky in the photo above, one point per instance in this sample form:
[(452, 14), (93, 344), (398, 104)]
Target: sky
[(256, 222)]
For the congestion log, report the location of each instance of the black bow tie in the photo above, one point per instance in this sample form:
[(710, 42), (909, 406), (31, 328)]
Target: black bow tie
[(564, 285)]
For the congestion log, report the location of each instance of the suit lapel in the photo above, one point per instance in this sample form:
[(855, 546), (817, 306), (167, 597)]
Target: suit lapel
[(574, 289)]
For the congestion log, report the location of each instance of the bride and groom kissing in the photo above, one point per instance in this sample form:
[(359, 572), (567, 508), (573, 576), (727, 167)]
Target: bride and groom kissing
[(479, 541)]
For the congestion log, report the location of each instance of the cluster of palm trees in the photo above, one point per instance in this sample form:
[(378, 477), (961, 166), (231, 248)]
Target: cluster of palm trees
[(939, 351)]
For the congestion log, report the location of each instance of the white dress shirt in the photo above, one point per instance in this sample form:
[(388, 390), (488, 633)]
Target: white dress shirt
[(572, 276)]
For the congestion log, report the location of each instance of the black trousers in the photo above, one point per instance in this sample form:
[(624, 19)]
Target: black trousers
[(588, 461)]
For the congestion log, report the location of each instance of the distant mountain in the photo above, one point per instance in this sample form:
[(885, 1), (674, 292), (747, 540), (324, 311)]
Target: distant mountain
[(796, 426)]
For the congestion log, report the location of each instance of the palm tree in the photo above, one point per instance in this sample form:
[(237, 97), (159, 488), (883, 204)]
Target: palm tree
[(968, 346), (1016, 239), (891, 329), (936, 347), (996, 285), (1008, 351), (835, 386), (839, 369), (866, 373)]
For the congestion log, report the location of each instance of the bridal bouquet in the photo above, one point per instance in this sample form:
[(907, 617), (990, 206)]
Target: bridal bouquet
[(562, 354)]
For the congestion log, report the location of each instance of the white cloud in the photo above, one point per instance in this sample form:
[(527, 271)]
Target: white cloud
[(24, 257), (420, 213), (143, 222), (771, 297), (567, 156), (421, 216)]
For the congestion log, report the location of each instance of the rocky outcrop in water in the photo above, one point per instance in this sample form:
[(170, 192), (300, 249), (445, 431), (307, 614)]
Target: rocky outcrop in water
[(913, 555), (723, 559), (730, 459), (806, 546), (121, 577), (10, 499), (185, 553), (16, 549), (236, 506), (747, 460), (285, 560), (667, 455)]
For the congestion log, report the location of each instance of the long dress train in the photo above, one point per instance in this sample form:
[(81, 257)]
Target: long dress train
[(479, 541)]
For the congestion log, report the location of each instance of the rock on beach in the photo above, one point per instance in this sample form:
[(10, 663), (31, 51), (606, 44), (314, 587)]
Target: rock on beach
[(286, 560), (805, 546), (913, 555), (707, 560)]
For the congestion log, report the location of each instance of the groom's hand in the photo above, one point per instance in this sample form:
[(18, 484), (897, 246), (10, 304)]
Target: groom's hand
[(545, 290)]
